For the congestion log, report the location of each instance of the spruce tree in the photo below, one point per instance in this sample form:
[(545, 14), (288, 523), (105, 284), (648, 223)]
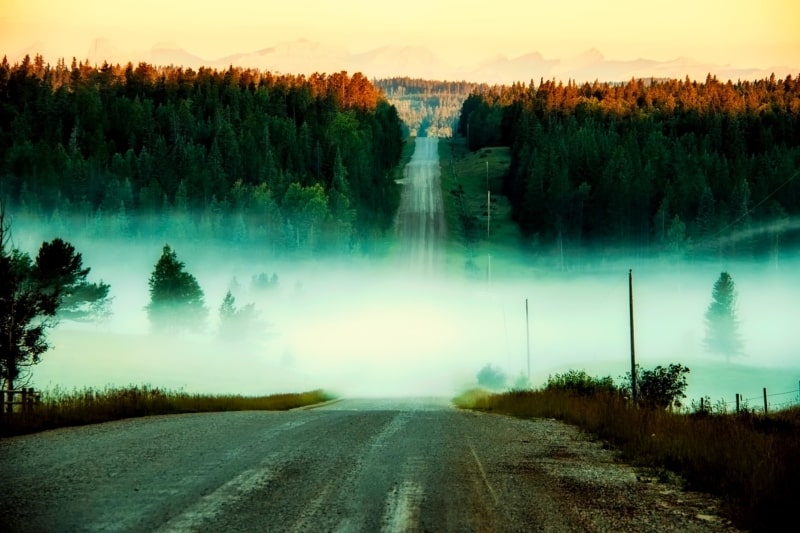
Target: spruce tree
[(722, 335), (176, 299)]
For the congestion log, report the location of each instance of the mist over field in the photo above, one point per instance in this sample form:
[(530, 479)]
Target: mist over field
[(381, 327)]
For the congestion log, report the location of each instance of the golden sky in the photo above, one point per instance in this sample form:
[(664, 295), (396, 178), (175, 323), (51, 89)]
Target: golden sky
[(748, 33)]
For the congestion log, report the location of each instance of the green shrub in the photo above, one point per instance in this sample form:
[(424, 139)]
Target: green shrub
[(581, 383), (660, 387), (491, 377)]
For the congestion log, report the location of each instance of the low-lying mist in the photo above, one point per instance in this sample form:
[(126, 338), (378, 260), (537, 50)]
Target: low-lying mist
[(361, 327)]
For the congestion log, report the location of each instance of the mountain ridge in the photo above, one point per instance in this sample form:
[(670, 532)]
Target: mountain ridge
[(305, 56)]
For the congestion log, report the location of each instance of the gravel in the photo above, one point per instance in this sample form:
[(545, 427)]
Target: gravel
[(353, 465)]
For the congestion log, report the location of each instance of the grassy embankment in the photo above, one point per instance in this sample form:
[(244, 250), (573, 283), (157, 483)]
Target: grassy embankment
[(61, 409), (751, 461), (468, 170), (405, 157)]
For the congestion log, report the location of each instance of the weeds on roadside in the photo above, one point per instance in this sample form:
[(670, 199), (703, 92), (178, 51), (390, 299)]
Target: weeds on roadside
[(60, 408), (750, 460)]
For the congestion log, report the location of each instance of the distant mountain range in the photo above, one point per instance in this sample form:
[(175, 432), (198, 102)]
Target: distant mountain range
[(305, 56)]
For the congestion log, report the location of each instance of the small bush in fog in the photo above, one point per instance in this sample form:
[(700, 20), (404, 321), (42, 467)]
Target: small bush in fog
[(579, 382), (263, 281), (521, 383), (236, 323), (491, 377)]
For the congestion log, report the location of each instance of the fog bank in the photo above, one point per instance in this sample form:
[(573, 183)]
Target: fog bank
[(377, 327)]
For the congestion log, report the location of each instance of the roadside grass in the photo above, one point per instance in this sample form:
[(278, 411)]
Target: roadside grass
[(751, 461), (466, 169), (398, 173), (59, 408)]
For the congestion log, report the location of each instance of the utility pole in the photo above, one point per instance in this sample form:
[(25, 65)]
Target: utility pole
[(488, 203), (488, 226), (633, 351)]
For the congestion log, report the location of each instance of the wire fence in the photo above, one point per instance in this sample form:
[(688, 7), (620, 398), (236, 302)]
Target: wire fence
[(774, 401), (764, 403)]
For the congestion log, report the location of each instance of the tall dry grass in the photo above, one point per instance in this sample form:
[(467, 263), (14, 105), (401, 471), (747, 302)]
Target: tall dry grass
[(752, 461), (61, 408)]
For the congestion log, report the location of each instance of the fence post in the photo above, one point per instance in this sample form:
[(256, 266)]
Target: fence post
[(10, 401), (737, 403), (27, 399), (765, 400), (702, 409)]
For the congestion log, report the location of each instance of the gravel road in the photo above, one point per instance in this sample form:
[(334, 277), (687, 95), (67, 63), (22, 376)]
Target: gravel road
[(420, 220), (353, 465)]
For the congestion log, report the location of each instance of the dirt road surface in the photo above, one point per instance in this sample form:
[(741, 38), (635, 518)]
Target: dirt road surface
[(354, 465), (420, 221)]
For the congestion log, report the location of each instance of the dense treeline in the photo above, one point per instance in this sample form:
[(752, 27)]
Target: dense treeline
[(292, 162), (680, 166), (428, 108)]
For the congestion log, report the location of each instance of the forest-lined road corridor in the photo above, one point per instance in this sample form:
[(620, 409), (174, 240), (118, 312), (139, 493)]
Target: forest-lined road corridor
[(420, 216)]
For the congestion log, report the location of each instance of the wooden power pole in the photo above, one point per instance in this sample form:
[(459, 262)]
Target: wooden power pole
[(633, 349)]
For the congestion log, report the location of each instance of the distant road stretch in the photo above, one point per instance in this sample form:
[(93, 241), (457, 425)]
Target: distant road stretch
[(420, 216), (354, 465)]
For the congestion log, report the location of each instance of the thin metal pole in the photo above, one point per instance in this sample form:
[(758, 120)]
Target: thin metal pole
[(488, 213), (488, 202), (633, 349), (528, 338), (765, 400), (488, 226)]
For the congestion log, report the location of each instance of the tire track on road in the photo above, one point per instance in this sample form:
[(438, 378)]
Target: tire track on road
[(420, 225)]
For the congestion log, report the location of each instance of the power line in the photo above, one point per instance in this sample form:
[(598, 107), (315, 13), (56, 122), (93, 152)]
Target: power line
[(744, 215)]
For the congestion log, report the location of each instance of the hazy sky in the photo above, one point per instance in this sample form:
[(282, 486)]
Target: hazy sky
[(744, 33)]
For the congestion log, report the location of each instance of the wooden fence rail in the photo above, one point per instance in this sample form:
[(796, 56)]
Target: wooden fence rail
[(28, 397)]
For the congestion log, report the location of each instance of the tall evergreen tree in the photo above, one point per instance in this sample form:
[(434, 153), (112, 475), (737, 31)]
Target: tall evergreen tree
[(722, 335), (176, 299)]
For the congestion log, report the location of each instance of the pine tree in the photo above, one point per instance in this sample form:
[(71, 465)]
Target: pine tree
[(34, 294), (176, 299), (722, 326)]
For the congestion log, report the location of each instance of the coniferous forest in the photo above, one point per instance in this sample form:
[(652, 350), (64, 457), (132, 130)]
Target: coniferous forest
[(288, 162), (657, 166), (427, 107)]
